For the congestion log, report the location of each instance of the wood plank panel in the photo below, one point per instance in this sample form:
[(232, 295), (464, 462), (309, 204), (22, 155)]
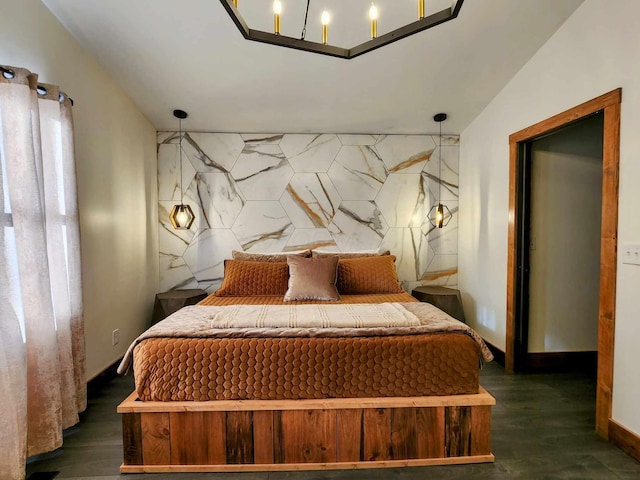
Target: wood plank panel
[(278, 448), (430, 428), (510, 335), (308, 440), (608, 266), (404, 441), (481, 431), (198, 438), (132, 439), (239, 434), (156, 447), (263, 437), (420, 462), (377, 434), (348, 435), (309, 436), (131, 404), (457, 431)]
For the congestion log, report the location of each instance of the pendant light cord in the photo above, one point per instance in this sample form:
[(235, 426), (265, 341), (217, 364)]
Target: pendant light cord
[(440, 166), (304, 28), (180, 147)]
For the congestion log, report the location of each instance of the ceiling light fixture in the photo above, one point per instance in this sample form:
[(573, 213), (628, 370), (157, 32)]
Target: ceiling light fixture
[(275, 38), (181, 216), (440, 215)]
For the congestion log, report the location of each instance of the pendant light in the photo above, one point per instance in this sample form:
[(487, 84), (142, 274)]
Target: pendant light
[(439, 215), (181, 216)]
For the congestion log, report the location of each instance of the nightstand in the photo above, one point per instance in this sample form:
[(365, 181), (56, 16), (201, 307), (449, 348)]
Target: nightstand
[(168, 302), (446, 299)]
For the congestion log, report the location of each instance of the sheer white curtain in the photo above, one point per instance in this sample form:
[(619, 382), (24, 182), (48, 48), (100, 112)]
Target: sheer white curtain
[(42, 355)]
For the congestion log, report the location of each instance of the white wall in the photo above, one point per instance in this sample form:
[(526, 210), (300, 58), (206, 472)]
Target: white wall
[(594, 52), (566, 203), (116, 166)]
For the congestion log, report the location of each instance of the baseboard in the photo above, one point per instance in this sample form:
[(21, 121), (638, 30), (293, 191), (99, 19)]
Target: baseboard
[(103, 378), (562, 361), (498, 355), (624, 439)]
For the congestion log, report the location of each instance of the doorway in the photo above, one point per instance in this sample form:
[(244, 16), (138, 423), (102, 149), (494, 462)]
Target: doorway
[(608, 106), (560, 206)]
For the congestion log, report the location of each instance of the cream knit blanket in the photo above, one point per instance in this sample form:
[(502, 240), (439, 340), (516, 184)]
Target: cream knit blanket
[(373, 315)]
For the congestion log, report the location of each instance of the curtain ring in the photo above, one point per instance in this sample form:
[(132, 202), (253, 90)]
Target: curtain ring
[(7, 73)]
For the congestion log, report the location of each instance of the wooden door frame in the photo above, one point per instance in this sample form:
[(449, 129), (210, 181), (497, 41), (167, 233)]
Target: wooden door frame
[(609, 103)]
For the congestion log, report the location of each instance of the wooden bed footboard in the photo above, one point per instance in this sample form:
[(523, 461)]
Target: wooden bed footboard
[(349, 433)]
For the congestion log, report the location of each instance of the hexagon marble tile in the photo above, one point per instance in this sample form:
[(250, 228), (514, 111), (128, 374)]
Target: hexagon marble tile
[(207, 251), (310, 239), (169, 187), (215, 199), (310, 200), (405, 153), (358, 172), (358, 225), (262, 138), (412, 251), (272, 192), (262, 172), (404, 199), (443, 177), (263, 227), (212, 152), (310, 153)]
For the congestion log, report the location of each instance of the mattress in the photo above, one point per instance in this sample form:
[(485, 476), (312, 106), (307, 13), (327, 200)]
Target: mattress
[(203, 369)]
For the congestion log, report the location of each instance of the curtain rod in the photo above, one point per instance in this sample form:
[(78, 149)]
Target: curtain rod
[(41, 90)]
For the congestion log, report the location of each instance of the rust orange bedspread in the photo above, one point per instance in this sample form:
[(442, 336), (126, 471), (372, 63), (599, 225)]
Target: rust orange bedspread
[(201, 369)]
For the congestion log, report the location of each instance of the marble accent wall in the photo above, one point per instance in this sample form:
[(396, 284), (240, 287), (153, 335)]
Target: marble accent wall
[(283, 192)]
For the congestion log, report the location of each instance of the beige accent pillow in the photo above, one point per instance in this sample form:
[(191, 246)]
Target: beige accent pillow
[(268, 257), (312, 279)]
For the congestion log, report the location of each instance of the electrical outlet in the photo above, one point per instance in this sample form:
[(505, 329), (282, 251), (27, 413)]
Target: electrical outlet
[(631, 253), (115, 337)]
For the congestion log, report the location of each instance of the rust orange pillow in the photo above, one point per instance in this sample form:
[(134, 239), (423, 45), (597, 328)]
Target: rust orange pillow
[(246, 278), (367, 275)]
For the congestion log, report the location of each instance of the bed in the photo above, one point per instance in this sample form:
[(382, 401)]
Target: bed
[(249, 379)]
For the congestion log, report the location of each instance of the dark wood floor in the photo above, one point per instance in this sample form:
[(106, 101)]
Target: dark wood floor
[(543, 428)]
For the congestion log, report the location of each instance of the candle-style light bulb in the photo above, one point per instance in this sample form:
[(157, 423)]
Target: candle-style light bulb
[(420, 8), (325, 18), (373, 16), (440, 216), (277, 10)]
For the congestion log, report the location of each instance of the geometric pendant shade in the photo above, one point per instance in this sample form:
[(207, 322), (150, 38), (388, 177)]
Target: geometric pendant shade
[(181, 217)]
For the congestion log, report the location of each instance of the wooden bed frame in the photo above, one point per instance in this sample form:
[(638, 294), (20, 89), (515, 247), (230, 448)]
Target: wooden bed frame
[(348, 433)]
